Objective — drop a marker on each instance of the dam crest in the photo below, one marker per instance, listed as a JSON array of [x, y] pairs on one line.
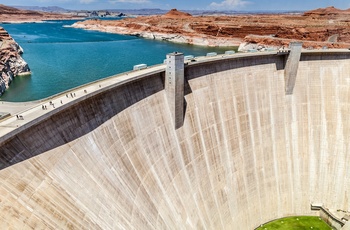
[[247, 150]]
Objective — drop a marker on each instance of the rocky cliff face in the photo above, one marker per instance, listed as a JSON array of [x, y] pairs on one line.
[[11, 62], [327, 27], [11, 14]]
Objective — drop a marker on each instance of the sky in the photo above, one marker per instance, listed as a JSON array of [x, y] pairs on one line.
[[239, 5]]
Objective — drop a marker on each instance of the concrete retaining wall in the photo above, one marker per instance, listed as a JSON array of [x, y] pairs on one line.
[[247, 153]]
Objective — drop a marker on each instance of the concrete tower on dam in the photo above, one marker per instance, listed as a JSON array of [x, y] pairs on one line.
[[257, 142]]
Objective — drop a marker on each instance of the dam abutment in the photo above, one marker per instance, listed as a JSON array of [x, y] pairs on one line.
[[246, 153]]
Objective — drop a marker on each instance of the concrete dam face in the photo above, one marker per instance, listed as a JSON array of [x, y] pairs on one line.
[[246, 152]]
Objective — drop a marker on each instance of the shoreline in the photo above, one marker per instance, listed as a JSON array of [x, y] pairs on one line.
[[208, 41], [38, 21], [314, 28]]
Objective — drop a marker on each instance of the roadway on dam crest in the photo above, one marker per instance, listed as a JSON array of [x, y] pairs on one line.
[[23, 113]]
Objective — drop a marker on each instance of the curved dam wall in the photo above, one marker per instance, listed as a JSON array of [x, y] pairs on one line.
[[246, 153]]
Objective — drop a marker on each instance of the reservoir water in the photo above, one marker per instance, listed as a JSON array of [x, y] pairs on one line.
[[62, 58]]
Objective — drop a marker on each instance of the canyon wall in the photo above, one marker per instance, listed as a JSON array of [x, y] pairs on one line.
[[11, 62], [319, 28], [247, 153]]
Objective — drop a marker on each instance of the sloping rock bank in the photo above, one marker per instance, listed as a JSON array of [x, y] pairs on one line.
[[143, 30], [261, 43], [11, 15], [321, 28], [11, 62]]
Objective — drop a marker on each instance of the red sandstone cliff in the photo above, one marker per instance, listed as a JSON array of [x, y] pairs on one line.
[[322, 27], [174, 13], [11, 14], [328, 11], [11, 62]]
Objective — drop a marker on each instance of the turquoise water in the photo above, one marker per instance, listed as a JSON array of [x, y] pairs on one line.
[[62, 58]]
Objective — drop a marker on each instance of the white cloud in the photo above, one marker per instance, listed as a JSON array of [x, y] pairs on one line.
[[129, 1], [87, 1], [43, 1], [228, 4]]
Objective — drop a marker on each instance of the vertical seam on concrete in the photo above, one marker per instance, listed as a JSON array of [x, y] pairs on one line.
[[291, 68], [252, 139]]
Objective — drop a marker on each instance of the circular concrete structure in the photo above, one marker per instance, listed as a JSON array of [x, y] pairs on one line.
[[246, 153]]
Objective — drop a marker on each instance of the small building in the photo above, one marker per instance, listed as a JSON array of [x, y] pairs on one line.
[[140, 66], [212, 54], [229, 52], [188, 57]]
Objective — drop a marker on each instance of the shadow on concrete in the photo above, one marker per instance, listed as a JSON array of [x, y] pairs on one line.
[[197, 70], [187, 90], [76, 120], [217, 66], [329, 55]]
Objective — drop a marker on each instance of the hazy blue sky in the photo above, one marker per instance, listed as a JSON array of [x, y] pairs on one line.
[[246, 5]]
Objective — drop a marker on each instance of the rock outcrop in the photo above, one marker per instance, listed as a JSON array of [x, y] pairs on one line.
[[174, 13], [322, 27], [174, 26], [11, 62], [328, 11], [261, 43], [11, 14]]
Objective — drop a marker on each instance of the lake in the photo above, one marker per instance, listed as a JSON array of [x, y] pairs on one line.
[[62, 57]]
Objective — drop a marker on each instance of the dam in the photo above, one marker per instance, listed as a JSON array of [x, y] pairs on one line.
[[109, 156]]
